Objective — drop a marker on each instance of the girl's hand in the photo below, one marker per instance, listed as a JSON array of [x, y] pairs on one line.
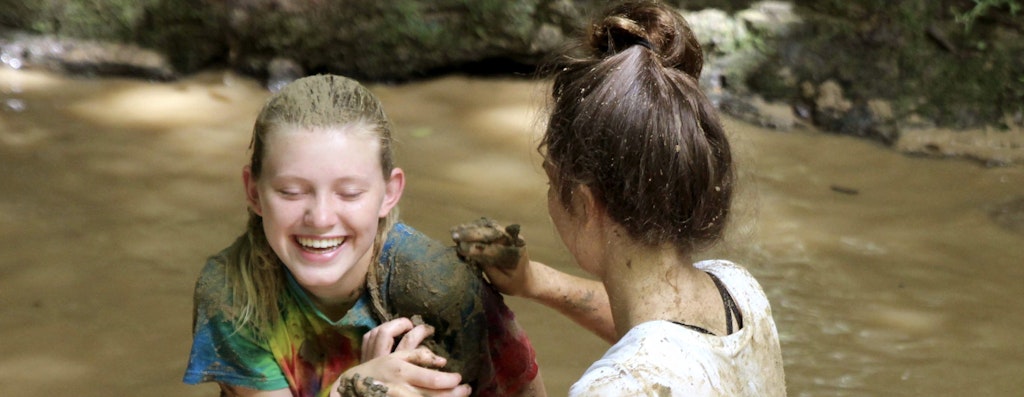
[[402, 373], [499, 252], [380, 341], [409, 370]]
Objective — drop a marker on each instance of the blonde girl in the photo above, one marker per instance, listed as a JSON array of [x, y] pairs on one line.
[[312, 299]]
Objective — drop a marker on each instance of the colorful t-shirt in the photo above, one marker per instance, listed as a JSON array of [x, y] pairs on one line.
[[306, 352]]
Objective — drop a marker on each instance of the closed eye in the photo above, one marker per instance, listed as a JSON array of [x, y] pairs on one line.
[[350, 194], [289, 193]]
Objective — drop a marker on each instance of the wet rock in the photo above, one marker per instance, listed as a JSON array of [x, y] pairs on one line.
[[733, 50], [830, 106], [770, 18], [914, 57], [755, 110], [82, 57], [396, 40], [864, 120], [282, 71], [989, 146], [831, 110]]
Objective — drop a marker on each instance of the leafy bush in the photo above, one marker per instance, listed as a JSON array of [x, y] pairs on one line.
[[982, 8]]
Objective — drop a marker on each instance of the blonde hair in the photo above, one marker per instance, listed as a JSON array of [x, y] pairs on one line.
[[254, 272]]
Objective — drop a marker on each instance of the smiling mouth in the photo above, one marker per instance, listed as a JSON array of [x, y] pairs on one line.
[[319, 245]]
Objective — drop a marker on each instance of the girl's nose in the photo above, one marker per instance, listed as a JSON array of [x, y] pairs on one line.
[[319, 214]]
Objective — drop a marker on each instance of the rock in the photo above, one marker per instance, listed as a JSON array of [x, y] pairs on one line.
[[988, 146], [282, 71], [754, 110], [830, 106], [83, 57], [856, 67], [834, 112], [770, 18]]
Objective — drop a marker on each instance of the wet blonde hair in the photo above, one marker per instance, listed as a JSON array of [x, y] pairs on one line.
[[322, 103]]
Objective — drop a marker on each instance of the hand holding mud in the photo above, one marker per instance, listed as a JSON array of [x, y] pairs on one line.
[[499, 252], [484, 243], [352, 387], [396, 364]]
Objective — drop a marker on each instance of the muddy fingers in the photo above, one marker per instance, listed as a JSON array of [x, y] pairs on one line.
[[356, 386], [484, 242]]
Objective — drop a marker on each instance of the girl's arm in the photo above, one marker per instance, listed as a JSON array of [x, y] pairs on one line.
[[503, 257], [583, 300]]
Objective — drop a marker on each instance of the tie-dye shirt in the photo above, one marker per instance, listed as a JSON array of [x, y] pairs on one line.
[[306, 351]]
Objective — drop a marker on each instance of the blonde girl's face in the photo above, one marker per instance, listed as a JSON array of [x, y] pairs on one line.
[[321, 194]]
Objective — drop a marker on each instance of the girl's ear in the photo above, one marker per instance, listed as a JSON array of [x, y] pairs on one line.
[[587, 205], [252, 193], [392, 191]]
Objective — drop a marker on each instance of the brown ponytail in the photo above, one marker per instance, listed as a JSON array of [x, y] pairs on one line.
[[630, 121]]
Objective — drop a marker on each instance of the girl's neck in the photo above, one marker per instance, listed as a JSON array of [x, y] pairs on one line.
[[335, 308], [657, 283], [335, 301]]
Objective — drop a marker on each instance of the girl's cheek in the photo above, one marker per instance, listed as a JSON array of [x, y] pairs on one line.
[[360, 209], [288, 210]]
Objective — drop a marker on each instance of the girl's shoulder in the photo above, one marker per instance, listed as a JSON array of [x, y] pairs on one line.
[[653, 358], [425, 270], [421, 276], [212, 289], [741, 284]]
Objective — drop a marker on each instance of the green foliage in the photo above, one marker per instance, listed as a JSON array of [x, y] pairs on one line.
[[190, 32], [983, 7], [92, 19]]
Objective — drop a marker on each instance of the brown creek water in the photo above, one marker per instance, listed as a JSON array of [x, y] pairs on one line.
[[888, 275]]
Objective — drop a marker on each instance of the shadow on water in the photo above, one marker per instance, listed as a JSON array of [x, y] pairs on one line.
[[888, 275]]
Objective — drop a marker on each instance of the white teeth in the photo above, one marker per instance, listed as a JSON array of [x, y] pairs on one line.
[[320, 243]]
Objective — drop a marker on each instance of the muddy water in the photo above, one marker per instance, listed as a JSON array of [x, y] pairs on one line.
[[888, 274]]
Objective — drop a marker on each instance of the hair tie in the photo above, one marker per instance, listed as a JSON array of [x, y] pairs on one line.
[[645, 43]]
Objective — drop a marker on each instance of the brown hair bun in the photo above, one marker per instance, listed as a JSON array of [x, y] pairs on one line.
[[648, 24]]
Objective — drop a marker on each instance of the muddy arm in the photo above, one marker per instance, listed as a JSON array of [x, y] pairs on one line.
[[501, 253], [582, 300]]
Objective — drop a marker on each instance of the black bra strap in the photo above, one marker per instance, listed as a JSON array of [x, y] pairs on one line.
[[731, 311], [693, 327]]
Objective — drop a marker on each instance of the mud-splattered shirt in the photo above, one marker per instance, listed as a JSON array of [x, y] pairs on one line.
[[662, 358], [305, 351]]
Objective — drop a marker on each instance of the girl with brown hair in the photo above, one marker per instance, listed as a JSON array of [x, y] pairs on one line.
[[641, 180]]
